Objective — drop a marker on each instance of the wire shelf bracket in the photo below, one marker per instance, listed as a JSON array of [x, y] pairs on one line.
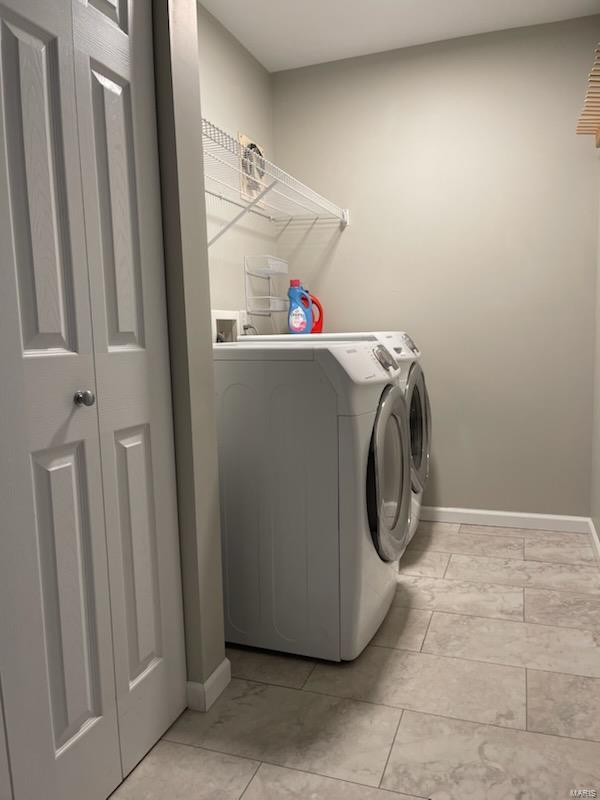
[[242, 213], [244, 178]]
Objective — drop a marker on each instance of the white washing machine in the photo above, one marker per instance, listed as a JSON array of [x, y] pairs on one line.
[[412, 382], [315, 463]]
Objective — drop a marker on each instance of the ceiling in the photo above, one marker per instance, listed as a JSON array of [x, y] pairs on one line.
[[283, 34]]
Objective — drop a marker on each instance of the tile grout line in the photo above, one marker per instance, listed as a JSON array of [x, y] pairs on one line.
[[526, 699], [354, 699], [498, 619], [503, 531], [523, 559], [501, 586], [588, 563], [387, 761], [478, 556], [545, 587], [396, 708], [258, 766], [476, 534], [282, 765], [470, 661], [306, 680], [453, 553], [431, 547], [520, 618], [472, 579], [200, 747], [511, 537], [435, 654], [447, 565], [426, 631], [466, 613], [400, 795]]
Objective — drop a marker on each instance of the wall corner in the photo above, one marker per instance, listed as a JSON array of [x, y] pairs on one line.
[[188, 299]]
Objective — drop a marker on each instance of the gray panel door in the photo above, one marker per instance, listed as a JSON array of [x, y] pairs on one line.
[[117, 129], [56, 659]]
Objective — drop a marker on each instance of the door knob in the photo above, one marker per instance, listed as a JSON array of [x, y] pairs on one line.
[[85, 398]]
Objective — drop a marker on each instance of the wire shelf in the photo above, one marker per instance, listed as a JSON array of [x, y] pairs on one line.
[[242, 176], [261, 270], [266, 304], [265, 266]]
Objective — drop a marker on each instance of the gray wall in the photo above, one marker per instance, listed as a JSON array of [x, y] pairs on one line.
[[474, 226], [236, 95], [595, 501]]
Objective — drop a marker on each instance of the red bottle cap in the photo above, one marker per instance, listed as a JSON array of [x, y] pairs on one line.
[[294, 282]]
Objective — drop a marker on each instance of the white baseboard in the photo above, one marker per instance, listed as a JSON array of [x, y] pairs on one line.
[[595, 537], [506, 519], [201, 696]]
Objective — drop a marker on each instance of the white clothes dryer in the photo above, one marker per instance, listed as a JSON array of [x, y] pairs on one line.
[[411, 380], [315, 463]]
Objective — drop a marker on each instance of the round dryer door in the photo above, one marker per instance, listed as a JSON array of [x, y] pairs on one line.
[[388, 476], [419, 414]]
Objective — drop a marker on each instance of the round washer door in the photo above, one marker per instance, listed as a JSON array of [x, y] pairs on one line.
[[419, 417], [388, 476]]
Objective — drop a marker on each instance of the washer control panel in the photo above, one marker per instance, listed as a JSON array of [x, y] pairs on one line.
[[407, 346]]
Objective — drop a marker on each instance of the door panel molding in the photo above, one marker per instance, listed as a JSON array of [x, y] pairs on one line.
[[138, 540], [64, 544], [114, 10], [37, 187], [119, 220]]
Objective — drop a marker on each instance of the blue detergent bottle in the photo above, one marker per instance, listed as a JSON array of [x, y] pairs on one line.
[[300, 317]]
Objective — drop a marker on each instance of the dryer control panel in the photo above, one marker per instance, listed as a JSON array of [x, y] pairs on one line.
[[365, 362]]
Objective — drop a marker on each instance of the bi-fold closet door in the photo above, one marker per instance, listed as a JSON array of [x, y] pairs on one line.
[[91, 644]]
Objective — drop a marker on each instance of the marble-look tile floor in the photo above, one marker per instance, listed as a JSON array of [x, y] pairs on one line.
[[483, 683]]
